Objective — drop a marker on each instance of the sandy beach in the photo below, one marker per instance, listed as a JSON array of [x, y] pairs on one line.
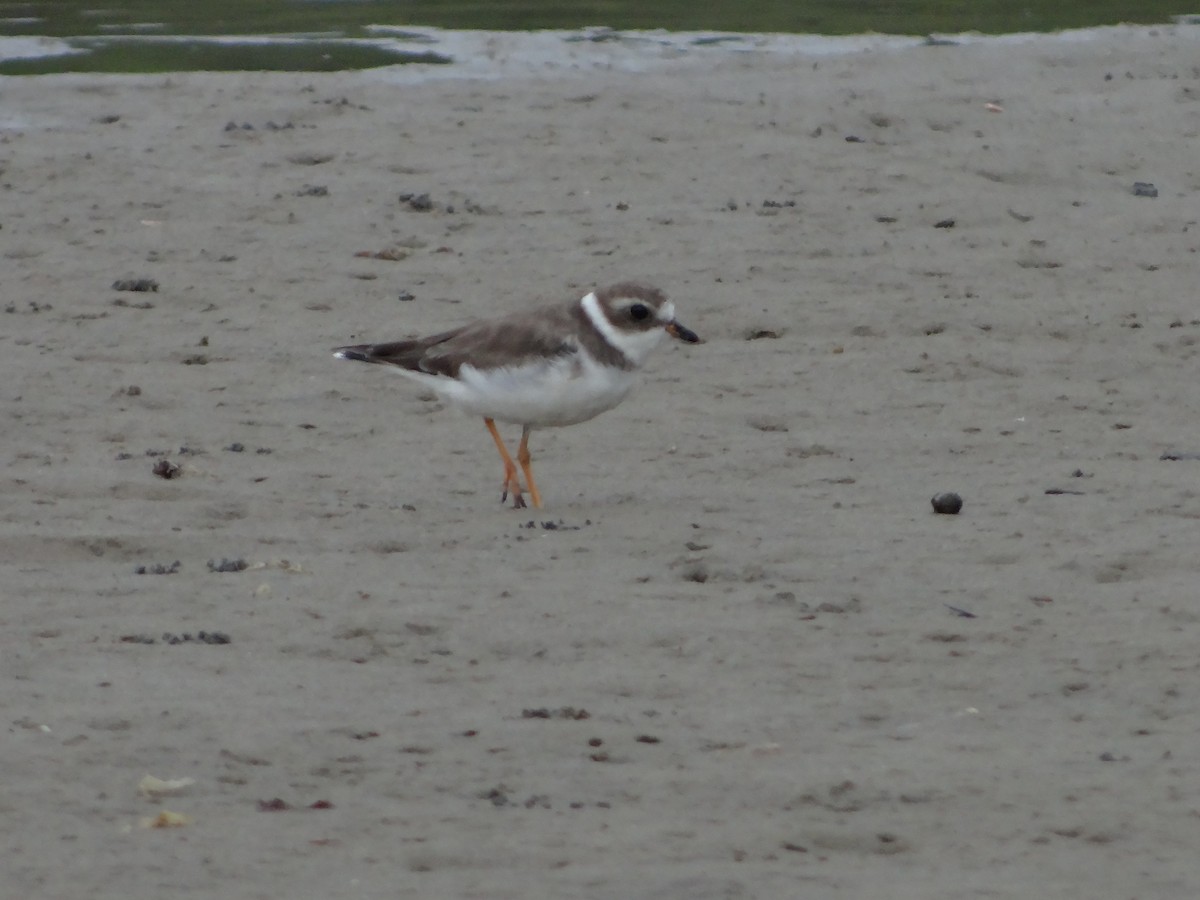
[[737, 655]]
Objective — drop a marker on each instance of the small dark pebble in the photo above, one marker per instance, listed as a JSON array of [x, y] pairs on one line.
[[406, 296], [854, 139], [137, 639], [948, 503], [264, 451], [125, 304], [227, 565], [164, 468], [135, 284], [1054, 492], [648, 739], [158, 569], [560, 525], [310, 159], [200, 637], [944, 223], [1190, 455], [497, 796], [778, 204], [564, 712], [274, 805], [236, 447], [417, 202], [1144, 189]]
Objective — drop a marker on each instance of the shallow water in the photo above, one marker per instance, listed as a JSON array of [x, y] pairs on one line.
[[143, 35]]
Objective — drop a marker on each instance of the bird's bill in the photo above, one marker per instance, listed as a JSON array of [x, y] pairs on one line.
[[677, 331]]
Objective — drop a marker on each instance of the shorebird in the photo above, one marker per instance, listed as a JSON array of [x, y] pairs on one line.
[[546, 367]]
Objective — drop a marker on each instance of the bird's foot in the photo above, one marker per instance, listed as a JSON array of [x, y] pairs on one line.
[[512, 485]]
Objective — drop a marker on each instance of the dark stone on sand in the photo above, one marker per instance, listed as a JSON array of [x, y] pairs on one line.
[[947, 503], [164, 468], [135, 284], [417, 202]]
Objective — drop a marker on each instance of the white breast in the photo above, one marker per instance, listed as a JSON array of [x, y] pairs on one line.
[[552, 393]]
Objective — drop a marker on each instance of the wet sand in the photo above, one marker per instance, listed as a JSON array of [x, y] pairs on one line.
[[737, 655]]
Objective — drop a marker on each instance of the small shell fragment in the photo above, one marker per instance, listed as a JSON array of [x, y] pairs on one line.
[[166, 819], [152, 787]]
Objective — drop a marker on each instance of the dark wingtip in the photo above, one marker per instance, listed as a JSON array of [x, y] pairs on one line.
[[358, 354]]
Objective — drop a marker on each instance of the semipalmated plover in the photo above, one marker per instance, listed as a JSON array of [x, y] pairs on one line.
[[558, 365]]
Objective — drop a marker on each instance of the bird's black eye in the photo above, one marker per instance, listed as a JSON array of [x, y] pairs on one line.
[[638, 312]]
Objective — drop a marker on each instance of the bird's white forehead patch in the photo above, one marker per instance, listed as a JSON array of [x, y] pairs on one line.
[[666, 313]]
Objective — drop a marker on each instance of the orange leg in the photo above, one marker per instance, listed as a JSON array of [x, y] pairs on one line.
[[511, 481], [526, 462]]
